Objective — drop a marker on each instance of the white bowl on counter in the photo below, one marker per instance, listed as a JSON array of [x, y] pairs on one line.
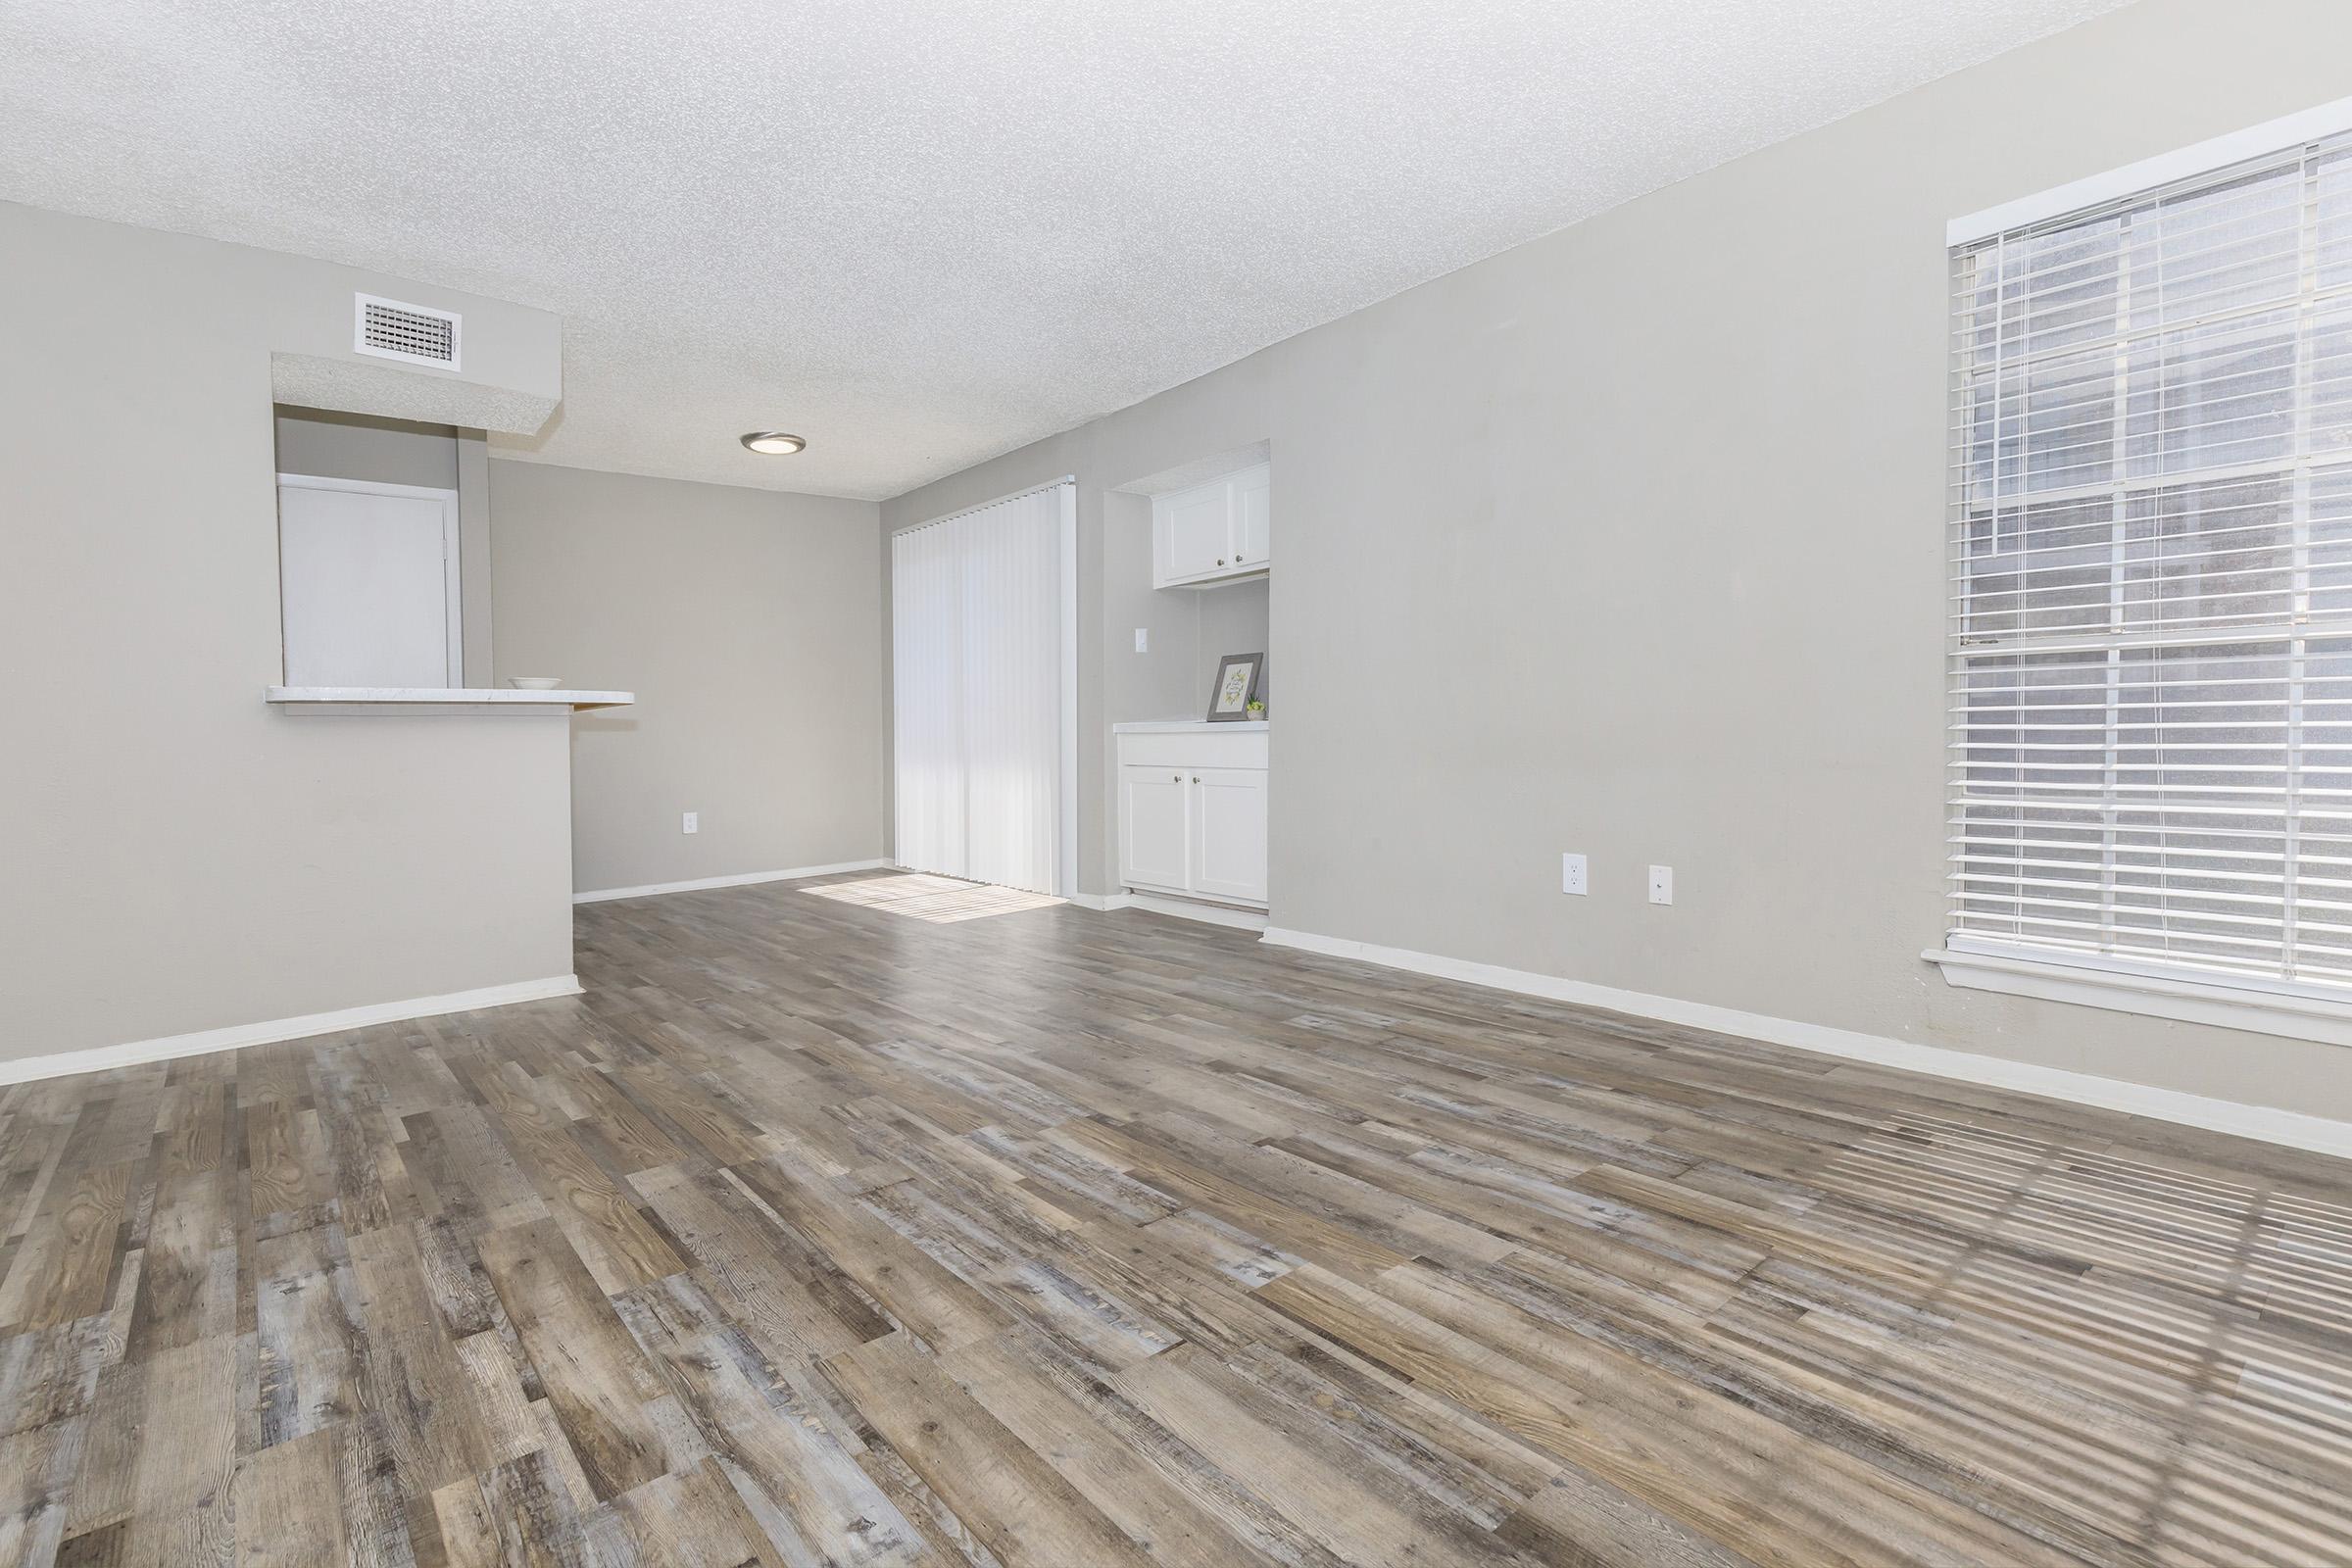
[[535, 683]]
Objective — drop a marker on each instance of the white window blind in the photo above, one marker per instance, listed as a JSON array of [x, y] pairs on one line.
[[2151, 546]]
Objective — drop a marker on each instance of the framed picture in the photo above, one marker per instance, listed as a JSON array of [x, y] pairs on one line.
[[1236, 688]]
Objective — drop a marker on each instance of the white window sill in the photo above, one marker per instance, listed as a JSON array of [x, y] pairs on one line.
[[2259, 1008]]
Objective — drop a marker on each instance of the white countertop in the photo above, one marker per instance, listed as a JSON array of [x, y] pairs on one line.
[[441, 699], [1178, 727]]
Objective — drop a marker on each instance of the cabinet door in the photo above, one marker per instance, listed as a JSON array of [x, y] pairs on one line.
[[370, 587], [1155, 829], [1196, 533], [1252, 518], [1229, 833]]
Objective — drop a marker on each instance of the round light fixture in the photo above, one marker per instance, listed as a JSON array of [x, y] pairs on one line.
[[773, 443]]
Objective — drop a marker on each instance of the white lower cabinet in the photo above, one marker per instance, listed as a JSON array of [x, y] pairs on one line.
[[1229, 833], [1193, 810], [1155, 828]]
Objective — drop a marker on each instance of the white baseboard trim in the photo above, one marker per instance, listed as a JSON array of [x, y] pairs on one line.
[[1205, 913], [2292, 1127], [138, 1053], [601, 895], [1182, 908]]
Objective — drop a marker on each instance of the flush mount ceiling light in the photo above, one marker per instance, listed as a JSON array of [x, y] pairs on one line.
[[773, 443]]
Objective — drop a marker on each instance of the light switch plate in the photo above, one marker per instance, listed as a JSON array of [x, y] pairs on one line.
[[1143, 639], [1572, 873], [1661, 884], [694, 822]]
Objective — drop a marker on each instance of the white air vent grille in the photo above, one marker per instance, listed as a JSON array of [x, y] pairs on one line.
[[411, 333]]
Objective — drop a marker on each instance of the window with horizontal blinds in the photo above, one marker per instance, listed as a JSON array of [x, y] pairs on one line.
[[2151, 548]]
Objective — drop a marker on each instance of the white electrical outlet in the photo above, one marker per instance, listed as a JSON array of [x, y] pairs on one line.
[[1661, 884], [1143, 639], [694, 822], [1572, 873]]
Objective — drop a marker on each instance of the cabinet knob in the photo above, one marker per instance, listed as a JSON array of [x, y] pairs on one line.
[[1220, 561], [1175, 778], [1195, 781]]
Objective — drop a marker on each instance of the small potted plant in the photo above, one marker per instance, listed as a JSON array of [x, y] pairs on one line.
[[1257, 710]]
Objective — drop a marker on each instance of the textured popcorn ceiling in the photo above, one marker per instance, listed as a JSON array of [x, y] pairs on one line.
[[919, 232]]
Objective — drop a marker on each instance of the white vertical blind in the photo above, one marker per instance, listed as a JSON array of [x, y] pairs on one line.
[[1012, 689], [2151, 549], [977, 634], [927, 714]]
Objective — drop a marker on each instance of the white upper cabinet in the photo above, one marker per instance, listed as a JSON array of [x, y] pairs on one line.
[[1213, 532], [1253, 518], [1193, 536]]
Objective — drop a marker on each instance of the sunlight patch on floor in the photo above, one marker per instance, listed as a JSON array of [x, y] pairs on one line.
[[926, 896]]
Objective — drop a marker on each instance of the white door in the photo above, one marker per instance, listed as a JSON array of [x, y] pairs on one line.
[[369, 578], [1229, 833], [1155, 825], [1252, 518], [1198, 531]]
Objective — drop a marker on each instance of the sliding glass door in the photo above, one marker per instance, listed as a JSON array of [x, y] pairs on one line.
[[978, 616]]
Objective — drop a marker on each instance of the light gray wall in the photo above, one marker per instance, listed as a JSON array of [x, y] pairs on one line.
[[1630, 541], [1233, 619], [179, 856], [1156, 683], [745, 620], [355, 446]]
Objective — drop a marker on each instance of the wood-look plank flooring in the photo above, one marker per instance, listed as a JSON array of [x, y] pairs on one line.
[[814, 1234]]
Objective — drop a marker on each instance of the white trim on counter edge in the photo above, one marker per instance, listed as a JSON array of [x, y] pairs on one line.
[[2256, 1009], [602, 895], [1189, 726], [137, 1053], [2292, 1127], [373, 701]]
